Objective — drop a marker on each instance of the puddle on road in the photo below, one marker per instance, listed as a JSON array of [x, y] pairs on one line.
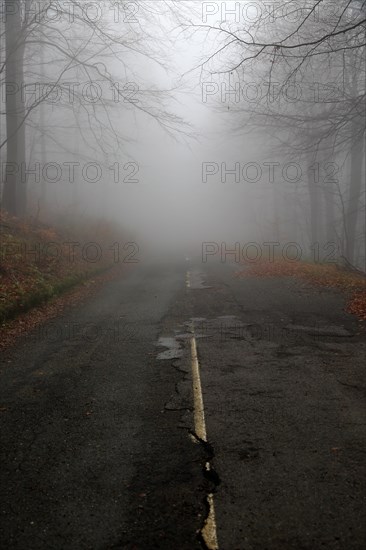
[[174, 350]]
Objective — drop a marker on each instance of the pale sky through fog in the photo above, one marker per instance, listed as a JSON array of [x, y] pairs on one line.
[[172, 205]]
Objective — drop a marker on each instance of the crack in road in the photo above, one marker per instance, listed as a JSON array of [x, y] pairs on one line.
[[207, 535], [208, 532]]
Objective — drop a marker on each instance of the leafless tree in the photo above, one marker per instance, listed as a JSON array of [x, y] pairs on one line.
[[45, 50], [307, 59]]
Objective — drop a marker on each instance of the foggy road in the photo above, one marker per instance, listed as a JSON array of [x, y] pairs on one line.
[[108, 443], [182, 275]]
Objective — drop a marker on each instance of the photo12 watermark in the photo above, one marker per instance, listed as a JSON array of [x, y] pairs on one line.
[[70, 172], [227, 331], [269, 12], [110, 332], [235, 93], [91, 252], [270, 251], [92, 12], [269, 172], [92, 92]]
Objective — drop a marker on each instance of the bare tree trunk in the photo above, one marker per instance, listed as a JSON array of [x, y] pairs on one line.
[[329, 191], [276, 224], [314, 202], [354, 189], [75, 184], [42, 124], [14, 195], [330, 231]]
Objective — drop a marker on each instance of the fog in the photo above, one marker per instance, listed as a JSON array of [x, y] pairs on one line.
[[188, 122]]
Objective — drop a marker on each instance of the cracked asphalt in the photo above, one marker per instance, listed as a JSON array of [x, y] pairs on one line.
[[98, 449]]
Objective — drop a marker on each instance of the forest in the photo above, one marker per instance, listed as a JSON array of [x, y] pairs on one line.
[[94, 94]]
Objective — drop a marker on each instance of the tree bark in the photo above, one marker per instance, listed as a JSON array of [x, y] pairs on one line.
[[354, 189], [314, 203], [14, 194]]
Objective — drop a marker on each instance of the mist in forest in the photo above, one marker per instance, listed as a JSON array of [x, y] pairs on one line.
[[187, 123]]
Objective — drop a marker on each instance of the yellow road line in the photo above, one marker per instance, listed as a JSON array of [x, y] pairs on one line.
[[199, 412], [209, 531]]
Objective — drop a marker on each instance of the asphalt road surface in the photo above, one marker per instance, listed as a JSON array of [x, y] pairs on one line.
[[109, 440]]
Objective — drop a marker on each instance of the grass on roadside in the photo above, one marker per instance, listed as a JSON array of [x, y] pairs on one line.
[[39, 262]]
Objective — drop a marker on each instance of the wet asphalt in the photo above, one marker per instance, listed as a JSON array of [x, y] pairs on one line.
[[98, 449]]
